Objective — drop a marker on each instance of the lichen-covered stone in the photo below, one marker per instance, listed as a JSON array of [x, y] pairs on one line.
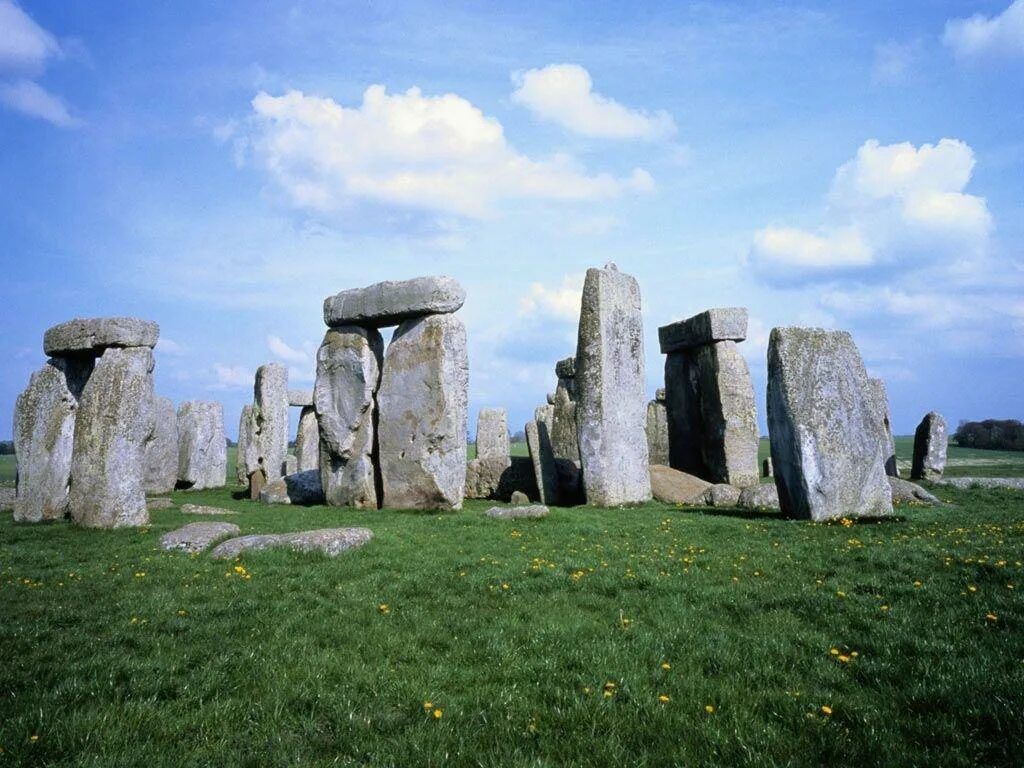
[[44, 427], [539, 443], [764, 496], [906, 492], [348, 366], [162, 448], [300, 398], [329, 541], [566, 369], [564, 439], [247, 456], [307, 441], [880, 398], [533, 511], [195, 537], [708, 327], [93, 335], [113, 423], [301, 488], [394, 302], [492, 441], [930, 442], [610, 408], [657, 432], [828, 460], [722, 495], [271, 412], [423, 402], [199, 509], [670, 486], [202, 449], [544, 414], [484, 477]]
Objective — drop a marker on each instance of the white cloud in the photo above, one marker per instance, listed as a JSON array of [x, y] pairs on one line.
[[24, 45], [33, 100], [561, 302], [564, 94], [434, 153], [892, 205], [894, 61], [1001, 35], [231, 376], [169, 347], [287, 353]]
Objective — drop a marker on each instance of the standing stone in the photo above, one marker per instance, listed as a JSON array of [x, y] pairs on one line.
[[44, 427], [247, 455], [394, 302], [728, 415], [544, 468], [826, 454], [348, 366], [307, 441], [610, 390], [202, 449], [657, 432], [271, 392], [162, 448], [880, 397], [544, 414], [113, 423], [492, 441], [766, 467], [423, 402], [291, 465], [682, 408], [930, 442], [564, 441]]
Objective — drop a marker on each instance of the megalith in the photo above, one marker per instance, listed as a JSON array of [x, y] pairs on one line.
[[247, 456], [307, 440], [930, 443], [564, 439], [492, 441], [610, 410], [880, 397], [162, 448], [271, 411], [202, 448], [657, 430], [544, 468], [826, 455]]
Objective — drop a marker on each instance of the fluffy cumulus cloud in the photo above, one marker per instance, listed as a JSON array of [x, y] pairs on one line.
[[25, 49], [559, 302], [432, 153], [564, 94], [1000, 35], [892, 205], [301, 361]]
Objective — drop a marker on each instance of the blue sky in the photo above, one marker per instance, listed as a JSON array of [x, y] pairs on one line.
[[221, 168]]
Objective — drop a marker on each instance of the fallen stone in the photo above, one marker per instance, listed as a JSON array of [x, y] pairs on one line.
[[199, 509], [1012, 483], [765, 496], [113, 423], [423, 402], [610, 390], [195, 537], [709, 327], [906, 492], [307, 441], [544, 469], [159, 503], [657, 432], [93, 335], [670, 486], [930, 442], [520, 499], [828, 460], [492, 441], [300, 398], [162, 448], [517, 513], [394, 302], [44, 427], [302, 488], [329, 541], [880, 398], [202, 449], [722, 495], [348, 366]]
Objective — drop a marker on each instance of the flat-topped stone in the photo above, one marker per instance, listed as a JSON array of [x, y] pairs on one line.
[[516, 513], [393, 302], [90, 335], [330, 541], [199, 509], [159, 503], [566, 369], [300, 398], [195, 537], [728, 324]]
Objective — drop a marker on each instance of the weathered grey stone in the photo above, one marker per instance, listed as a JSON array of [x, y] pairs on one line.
[[564, 440], [519, 499], [423, 401], [202, 449], [247, 456], [291, 464], [670, 486], [348, 366], [517, 513], [159, 503], [93, 335], [394, 302], [300, 398], [906, 492], [7, 497], [566, 369], [722, 495], [657, 432], [766, 467], [307, 441], [302, 488], [484, 477], [199, 509], [659, 395], [113, 423], [271, 411], [827, 457], [610, 410], [765, 496], [880, 399], [1012, 483], [728, 415], [550, 398], [709, 327], [329, 541], [162, 448], [539, 443], [544, 414], [930, 442], [44, 427], [682, 409], [195, 537], [492, 441]]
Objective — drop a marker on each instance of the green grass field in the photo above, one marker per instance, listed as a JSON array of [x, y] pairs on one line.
[[650, 636]]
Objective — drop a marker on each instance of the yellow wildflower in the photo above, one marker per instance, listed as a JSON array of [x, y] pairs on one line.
[[826, 710]]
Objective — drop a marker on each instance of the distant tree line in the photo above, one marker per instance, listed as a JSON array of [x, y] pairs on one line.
[[997, 434], [6, 447]]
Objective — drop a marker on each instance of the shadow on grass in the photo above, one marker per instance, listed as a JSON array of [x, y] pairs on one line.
[[766, 513]]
